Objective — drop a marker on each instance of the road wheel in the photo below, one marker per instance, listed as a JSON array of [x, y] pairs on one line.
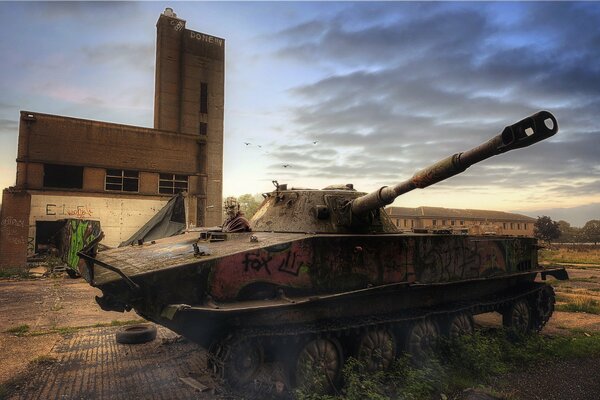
[[544, 307], [517, 317], [459, 324], [319, 365], [376, 349], [421, 338], [136, 334], [236, 360]]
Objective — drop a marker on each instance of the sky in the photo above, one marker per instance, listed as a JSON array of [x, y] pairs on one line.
[[364, 93]]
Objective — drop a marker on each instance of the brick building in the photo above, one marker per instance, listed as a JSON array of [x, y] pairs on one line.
[[461, 220], [118, 174]]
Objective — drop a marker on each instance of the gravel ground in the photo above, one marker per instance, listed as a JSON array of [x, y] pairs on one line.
[[45, 304], [576, 379]]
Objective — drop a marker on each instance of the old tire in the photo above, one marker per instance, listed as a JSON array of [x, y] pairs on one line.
[[376, 349], [318, 366], [518, 317], [136, 334], [459, 324]]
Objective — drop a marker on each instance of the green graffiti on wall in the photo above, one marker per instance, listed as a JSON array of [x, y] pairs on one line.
[[79, 233]]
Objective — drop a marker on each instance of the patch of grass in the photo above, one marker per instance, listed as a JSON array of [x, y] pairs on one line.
[[571, 254], [578, 303], [468, 362], [20, 330], [13, 273], [24, 330], [44, 360]]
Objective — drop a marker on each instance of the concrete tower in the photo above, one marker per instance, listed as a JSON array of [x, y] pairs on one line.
[[189, 98]]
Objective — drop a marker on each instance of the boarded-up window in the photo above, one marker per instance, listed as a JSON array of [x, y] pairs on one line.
[[121, 180], [204, 98], [172, 183], [63, 176], [203, 129]]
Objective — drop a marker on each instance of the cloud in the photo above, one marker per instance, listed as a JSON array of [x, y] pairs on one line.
[[408, 90], [135, 55], [8, 127]]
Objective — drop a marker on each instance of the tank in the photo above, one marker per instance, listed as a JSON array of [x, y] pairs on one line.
[[317, 276]]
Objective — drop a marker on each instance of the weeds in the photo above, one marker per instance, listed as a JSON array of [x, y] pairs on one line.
[[571, 254], [20, 330], [25, 330], [578, 304], [14, 273], [467, 362]]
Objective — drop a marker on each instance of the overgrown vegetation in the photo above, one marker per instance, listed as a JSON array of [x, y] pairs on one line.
[[575, 254], [470, 361], [20, 330], [25, 330], [577, 303], [14, 273]]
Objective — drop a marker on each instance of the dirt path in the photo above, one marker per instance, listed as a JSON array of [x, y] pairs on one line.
[[47, 304], [44, 305]]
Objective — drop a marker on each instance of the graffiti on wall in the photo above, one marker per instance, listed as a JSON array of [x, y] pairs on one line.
[[76, 235], [62, 210], [13, 230]]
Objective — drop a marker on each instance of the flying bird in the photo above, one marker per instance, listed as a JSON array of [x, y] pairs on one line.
[[286, 165], [247, 144], [315, 142]]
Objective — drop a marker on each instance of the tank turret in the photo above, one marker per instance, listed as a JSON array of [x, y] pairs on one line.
[[341, 209]]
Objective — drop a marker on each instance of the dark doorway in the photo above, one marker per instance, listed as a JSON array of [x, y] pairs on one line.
[[47, 236]]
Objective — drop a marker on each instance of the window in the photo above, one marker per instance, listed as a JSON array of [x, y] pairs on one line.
[[121, 180], [172, 184], [444, 222], [525, 226], [204, 98], [203, 128], [434, 222], [519, 226], [405, 223], [63, 176], [462, 222], [511, 226], [504, 225], [453, 222]]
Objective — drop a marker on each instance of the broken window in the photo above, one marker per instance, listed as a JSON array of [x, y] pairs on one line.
[[204, 98], [63, 176], [122, 180], [172, 183]]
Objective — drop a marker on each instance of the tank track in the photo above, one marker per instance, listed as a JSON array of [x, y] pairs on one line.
[[348, 327]]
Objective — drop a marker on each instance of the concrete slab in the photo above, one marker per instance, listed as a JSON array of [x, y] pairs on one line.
[[91, 365]]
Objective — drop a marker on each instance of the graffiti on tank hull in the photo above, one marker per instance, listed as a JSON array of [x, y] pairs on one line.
[[256, 262], [285, 265], [448, 259]]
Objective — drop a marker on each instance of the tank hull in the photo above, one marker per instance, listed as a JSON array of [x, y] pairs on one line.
[[272, 280]]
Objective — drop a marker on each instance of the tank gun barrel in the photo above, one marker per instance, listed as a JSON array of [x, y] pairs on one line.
[[526, 132]]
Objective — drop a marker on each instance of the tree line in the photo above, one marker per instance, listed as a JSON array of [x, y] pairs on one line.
[[550, 231]]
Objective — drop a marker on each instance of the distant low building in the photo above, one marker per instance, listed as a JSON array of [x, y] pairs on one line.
[[461, 220]]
